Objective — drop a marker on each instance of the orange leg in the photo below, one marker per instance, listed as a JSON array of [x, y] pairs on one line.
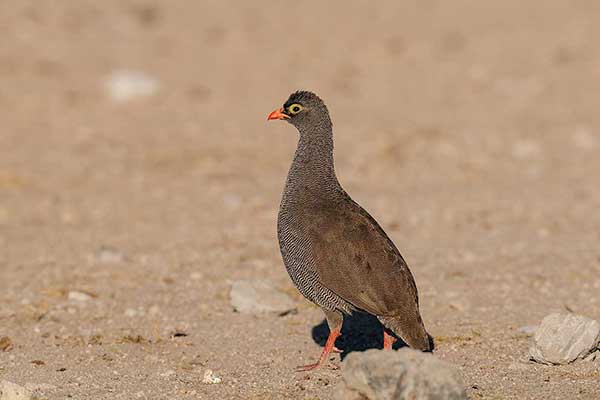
[[329, 347], [388, 341]]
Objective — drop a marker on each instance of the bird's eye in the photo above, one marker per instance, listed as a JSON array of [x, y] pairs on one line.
[[295, 109]]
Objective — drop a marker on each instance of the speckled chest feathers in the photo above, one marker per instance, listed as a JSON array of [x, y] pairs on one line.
[[311, 188]]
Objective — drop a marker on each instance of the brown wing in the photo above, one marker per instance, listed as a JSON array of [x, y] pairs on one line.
[[357, 261]]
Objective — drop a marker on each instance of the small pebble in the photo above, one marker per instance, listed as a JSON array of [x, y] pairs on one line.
[[123, 86], [210, 377], [79, 296], [196, 276], [109, 255], [132, 312], [5, 343], [168, 373]]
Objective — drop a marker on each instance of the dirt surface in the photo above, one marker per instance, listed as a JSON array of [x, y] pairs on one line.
[[469, 129]]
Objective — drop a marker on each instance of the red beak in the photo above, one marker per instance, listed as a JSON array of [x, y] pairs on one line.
[[277, 114]]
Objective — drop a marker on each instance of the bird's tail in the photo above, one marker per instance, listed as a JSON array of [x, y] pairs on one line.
[[411, 330]]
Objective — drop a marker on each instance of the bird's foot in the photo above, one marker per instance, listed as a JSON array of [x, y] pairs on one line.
[[329, 347]]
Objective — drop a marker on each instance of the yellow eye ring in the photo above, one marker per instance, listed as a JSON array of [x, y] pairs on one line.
[[295, 108]]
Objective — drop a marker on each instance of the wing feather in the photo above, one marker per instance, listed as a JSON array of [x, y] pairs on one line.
[[356, 260]]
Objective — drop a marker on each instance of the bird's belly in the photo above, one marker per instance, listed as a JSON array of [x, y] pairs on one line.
[[297, 258]]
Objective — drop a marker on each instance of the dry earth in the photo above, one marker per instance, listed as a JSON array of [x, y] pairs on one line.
[[469, 129]]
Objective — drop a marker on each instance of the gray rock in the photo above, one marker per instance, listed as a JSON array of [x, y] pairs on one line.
[[259, 296], [563, 338], [12, 391], [395, 375]]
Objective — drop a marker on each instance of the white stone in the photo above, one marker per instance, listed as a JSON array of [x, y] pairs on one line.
[[168, 373], [123, 86], [12, 391], [79, 296], [395, 375], [196, 276], [259, 296], [109, 255], [210, 378], [563, 338], [131, 312]]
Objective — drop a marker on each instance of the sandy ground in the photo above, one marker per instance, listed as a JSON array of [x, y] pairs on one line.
[[469, 129]]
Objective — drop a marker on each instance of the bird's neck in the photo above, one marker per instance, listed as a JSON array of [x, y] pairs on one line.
[[312, 169]]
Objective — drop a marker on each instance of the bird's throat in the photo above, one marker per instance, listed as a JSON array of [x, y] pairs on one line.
[[313, 169]]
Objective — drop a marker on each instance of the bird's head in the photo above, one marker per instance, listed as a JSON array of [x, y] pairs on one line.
[[303, 109]]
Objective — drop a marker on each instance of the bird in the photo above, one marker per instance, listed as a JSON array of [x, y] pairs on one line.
[[334, 251]]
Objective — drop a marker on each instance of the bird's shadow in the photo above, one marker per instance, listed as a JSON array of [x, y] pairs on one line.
[[360, 332]]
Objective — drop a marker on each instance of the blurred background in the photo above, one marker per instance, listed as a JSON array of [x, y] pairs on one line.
[[137, 167]]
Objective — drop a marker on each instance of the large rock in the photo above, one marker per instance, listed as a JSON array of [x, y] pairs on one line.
[[259, 296], [563, 338], [12, 391], [395, 375]]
